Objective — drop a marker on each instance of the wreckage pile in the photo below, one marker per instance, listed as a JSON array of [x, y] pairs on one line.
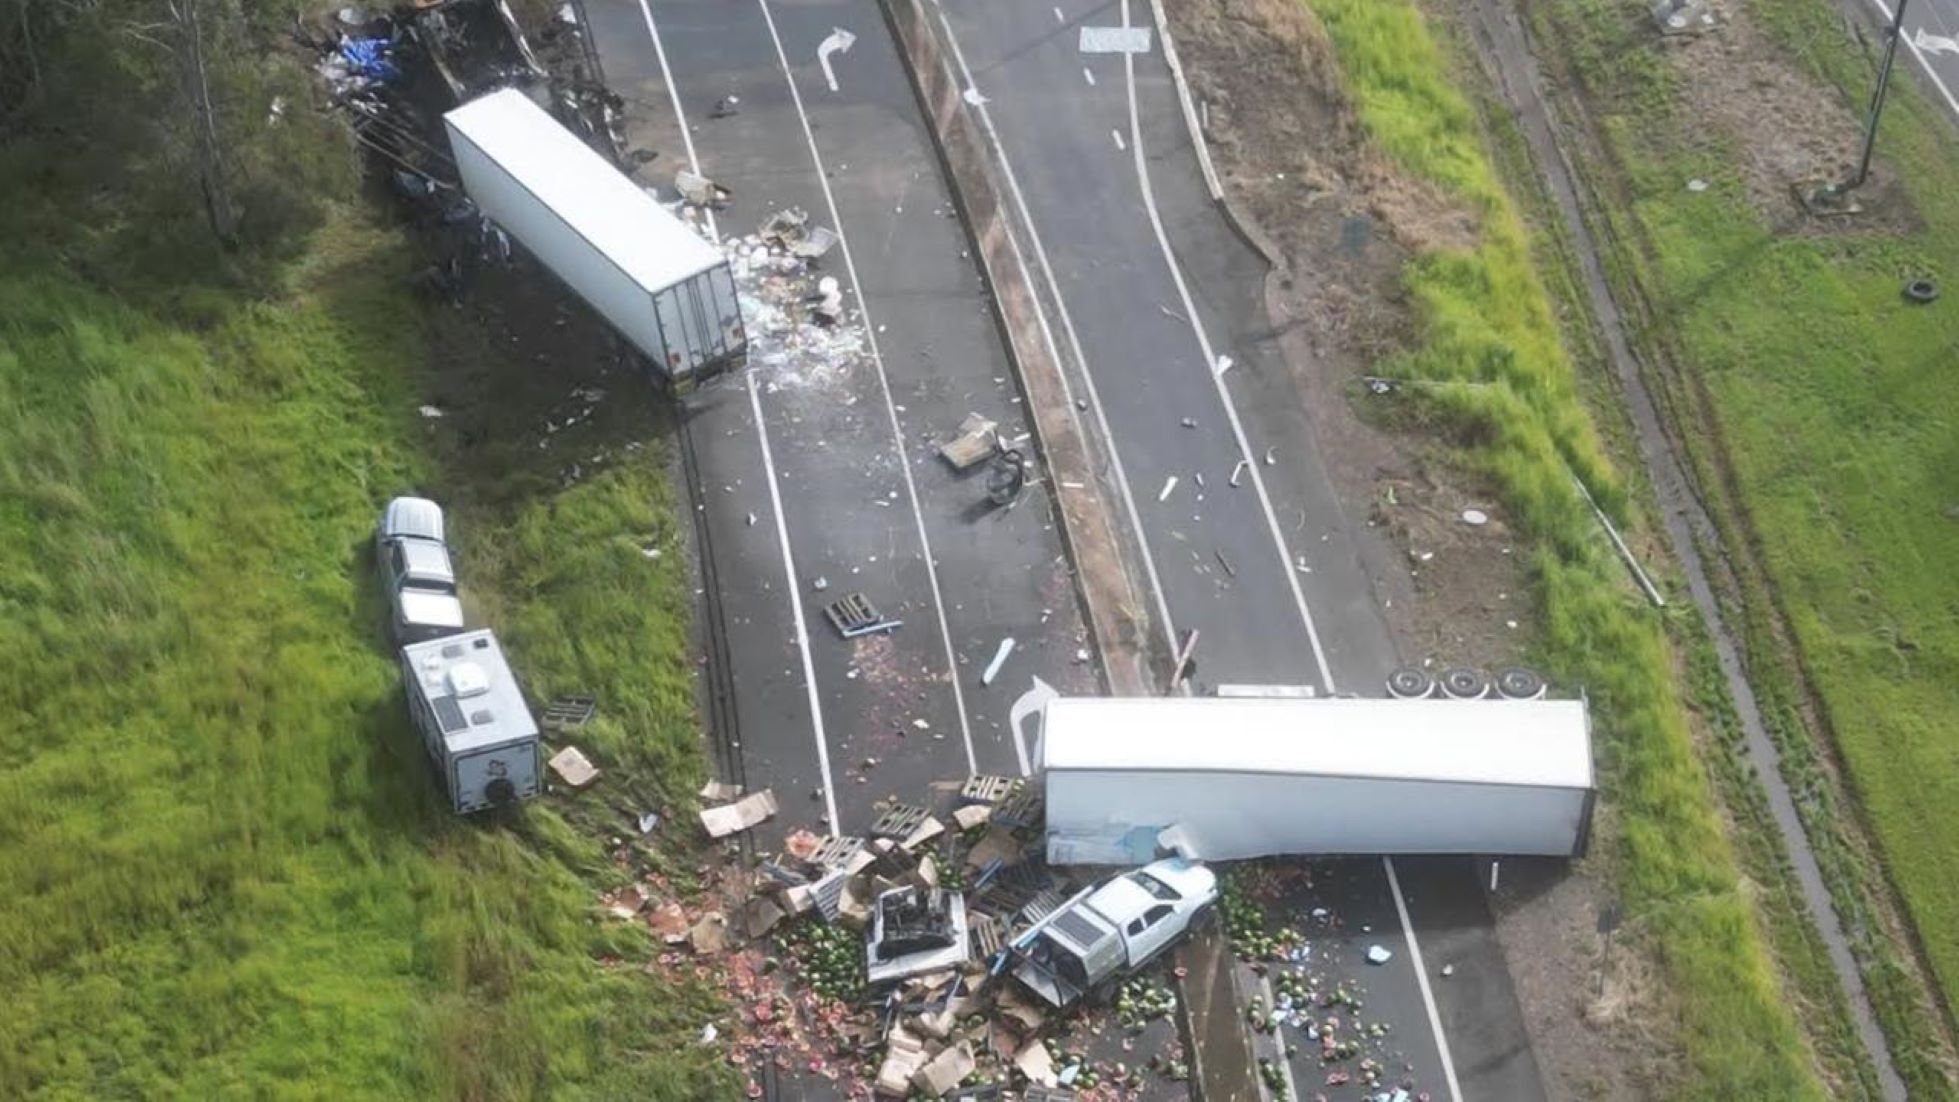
[[800, 333], [878, 962], [1313, 1009]]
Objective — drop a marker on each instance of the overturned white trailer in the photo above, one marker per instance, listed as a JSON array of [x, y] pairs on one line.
[[1225, 778], [637, 264]]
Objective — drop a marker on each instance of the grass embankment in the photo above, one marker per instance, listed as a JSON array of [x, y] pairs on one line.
[[1485, 319], [225, 866], [1820, 416]]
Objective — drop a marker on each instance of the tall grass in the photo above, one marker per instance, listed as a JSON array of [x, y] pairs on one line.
[[224, 867], [1485, 318]]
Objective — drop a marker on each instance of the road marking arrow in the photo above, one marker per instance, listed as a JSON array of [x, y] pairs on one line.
[[840, 41], [1029, 703], [1935, 43]]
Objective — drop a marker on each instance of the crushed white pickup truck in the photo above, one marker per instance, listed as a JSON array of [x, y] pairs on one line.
[[1112, 929]]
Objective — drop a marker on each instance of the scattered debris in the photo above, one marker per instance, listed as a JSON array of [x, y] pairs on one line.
[[1377, 954], [1475, 518], [432, 412], [976, 440], [855, 615], [915, 930], [1237, 471], [718, 792], [699, 191], [669, 923], [1169, 484], [710, 935], [646, 821], [1006, 477], [571, 766], [945, 1071], [743, 814], [999, 659], [568, 713]]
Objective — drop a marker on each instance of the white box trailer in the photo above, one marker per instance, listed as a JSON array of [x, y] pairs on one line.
[[473, 721], [1225, 778], [639, 265]]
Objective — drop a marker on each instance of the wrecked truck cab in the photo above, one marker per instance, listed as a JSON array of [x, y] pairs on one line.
[[1112, 930]]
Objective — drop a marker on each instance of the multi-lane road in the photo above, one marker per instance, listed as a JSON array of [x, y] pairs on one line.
[[800, 475], [1931, 36]]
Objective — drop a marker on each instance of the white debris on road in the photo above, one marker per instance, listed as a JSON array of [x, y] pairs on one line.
[[780, 298]]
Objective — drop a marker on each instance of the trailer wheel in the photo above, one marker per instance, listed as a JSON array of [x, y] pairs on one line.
[[1462, 683], [1518, 683], [1410, 683]]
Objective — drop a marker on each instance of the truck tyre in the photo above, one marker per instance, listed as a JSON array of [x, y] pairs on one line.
[[1518, 683], [1462, 683], [1410, 683]]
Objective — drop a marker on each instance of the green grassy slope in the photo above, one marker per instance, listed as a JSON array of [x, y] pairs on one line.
[[1485, 320], [226, 869], [1832, 403]]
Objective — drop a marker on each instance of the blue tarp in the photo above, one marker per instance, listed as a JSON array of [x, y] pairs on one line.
[[368, 57]]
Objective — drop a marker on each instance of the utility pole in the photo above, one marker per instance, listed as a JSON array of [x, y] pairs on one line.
[[1834, 194]]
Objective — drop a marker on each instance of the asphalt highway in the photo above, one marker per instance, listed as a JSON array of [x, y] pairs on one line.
[[1931, 39], [798, 478], [806, 474], [1156, 291]]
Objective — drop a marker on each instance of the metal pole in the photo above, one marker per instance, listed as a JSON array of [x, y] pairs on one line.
[[1877, 99]]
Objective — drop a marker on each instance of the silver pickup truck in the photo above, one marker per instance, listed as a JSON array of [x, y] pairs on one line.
[[1111, 929]]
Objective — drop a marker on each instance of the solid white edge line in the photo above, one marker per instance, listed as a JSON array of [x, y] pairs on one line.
[[768, 464], [1923, 62], [796, 604], [1210, 368], [673, 92], [1074, 341], [884, 385], [1421, 979]]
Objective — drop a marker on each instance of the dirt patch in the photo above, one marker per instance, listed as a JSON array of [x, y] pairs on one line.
[[1589, 999], [1734, 78], [1295, 160]]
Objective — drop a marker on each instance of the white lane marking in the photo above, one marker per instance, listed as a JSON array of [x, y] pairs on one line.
[[768, 464], [1074, 341], [1030, 704], [1210, 358], [1292, 579], [839, 42], [796, 605], [1924, 62], [1421, 978], [1934, 43], [1278, 1044], [884, 385], [673, 93]]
